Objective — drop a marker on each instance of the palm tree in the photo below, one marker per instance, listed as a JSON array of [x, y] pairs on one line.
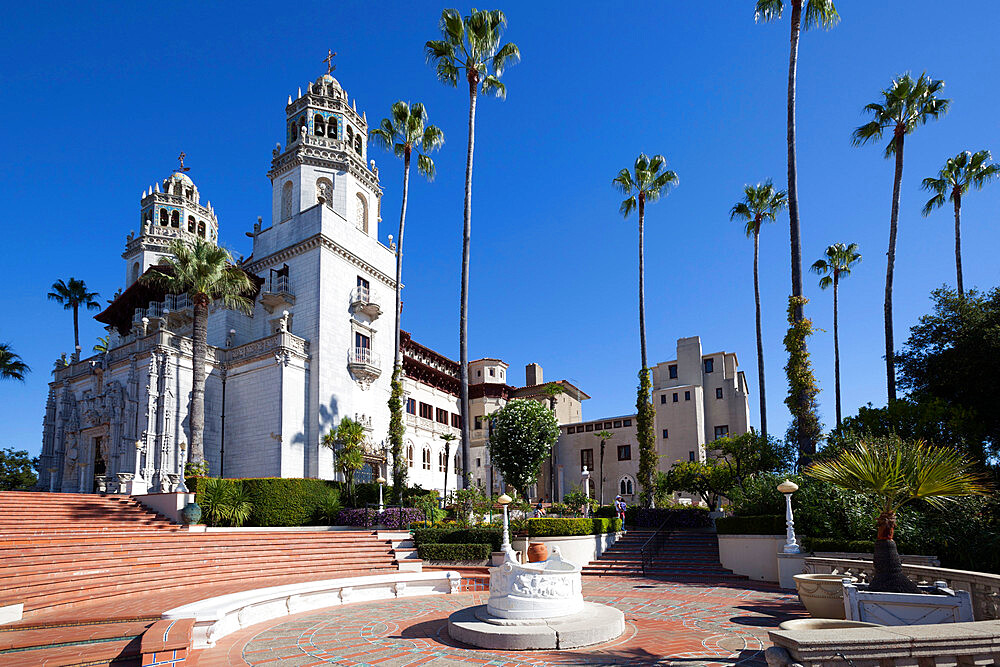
[[350, 435], [72, 295], [552, 390], [761, 203], [447, 437], [204, 272], [647, 183], [404, 132], [470, 44], [965, 170], [906, 104], [11, 365], [839, 261], [896, 473], [102, 345], [604, 436], [818, 13]]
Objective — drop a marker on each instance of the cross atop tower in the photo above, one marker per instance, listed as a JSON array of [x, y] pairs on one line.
[[180, 158], [330, 54]]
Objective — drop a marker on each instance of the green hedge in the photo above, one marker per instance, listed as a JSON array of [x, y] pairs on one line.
[[439, 535], [768, 524], [280, 501], [565, 527], [459, 552], [836, 544]]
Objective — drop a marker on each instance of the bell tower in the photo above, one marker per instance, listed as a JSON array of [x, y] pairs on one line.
[[324, 158]]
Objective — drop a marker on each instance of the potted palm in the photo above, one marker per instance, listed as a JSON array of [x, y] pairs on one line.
[[897, 473]]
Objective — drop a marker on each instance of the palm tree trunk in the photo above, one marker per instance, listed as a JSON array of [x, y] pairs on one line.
[[447, 462], [397, 427], [890, 360], [836, 343], [642, 281], [793, 190], [602, 473], [463, 335], [760, 342], [888, 576], [958, 243], [76, 327], [398, 359], [196, 414]]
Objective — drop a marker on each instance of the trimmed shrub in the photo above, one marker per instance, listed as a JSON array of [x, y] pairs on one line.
[[455, 552], [566, 527], [280, 501], [605, 512], [441, 535], [835, 544], [675, 517], [768, 524]]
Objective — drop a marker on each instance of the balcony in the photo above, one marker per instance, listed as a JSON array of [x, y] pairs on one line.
[[277, 293], [364, 365], [361, 302]]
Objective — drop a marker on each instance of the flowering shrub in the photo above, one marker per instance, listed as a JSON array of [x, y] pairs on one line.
[[394, 517]]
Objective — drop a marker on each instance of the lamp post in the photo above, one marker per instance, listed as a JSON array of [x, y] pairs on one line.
[[585, 478], [788, 488], [505, 500], [381, 482]]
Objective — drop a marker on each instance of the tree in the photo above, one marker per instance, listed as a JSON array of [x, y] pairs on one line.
[[647, 182], [102, 345], [404, 133], [604, 436], [349, 457], [753, 453], [897, 473], [961, 172], [523, 433], [551, 391], [11, 365], [805, 428], [821, 14], [204, 272], [470, 44], [17, 470], [953, 354], [840, 259], [447, 437], [906, 104], [71, 296], [761, 203], [709, 479]]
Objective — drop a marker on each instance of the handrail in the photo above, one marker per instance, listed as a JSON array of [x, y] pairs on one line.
[[652, 546]]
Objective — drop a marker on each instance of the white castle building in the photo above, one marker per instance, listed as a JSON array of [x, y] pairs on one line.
[[318, 347]]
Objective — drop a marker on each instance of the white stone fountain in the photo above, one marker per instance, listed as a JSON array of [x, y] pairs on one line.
[[535, 606]]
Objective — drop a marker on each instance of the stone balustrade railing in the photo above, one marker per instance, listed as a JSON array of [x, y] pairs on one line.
[[983, 587]]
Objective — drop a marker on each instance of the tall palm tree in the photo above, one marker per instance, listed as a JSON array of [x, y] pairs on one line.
[[897, 473], [72, 295], [11, 365], [906, 104], [761, 203], [604, 436], [470, 44], [840, 259], [647, 182], [404, 133], [447, 437], [821, 14], [961, 172], [204, 272]]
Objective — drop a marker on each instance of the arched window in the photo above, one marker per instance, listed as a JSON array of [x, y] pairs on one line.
[[286, 200], [409, 456], [626, 486], [164, 217], [191, 224], [426, 458], [292, 132], [324, 191], [175, 219], [201, 229], [319, 127], [135, 272], [361, 213], [302, 123], [350, 135], [357, 144], [458, 464], [442, 462], [332, 128]]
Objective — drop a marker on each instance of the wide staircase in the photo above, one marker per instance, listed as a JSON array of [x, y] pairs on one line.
[[686, 556], [93, 572]]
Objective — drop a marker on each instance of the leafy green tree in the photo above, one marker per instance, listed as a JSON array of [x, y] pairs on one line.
[[840, 260], [753, 453], [805, 428], [404, 132], [818, 14], [349, 456], [648, 181], [470, 44], [961, 172], [906, 105], [761, 203], [17, 470], [71, 296], [604, 436], [11, 365], [204, 272], [897, 473], [523, 433], [953, 355], [710, 480]]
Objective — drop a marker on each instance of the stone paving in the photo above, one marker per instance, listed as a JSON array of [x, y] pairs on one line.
[[667, 623]]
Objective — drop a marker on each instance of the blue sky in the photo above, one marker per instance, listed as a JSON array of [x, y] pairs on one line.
[[97, 100]]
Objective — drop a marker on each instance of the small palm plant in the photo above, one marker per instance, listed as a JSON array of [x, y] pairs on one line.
[[103, 344], [840, 259], [71, 295], [896, 473], [224, 502], [11, 365], [447, 437], [350, 435], [961, 172], [604, 436]]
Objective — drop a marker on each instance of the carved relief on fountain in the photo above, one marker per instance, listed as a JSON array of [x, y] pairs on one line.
[[548, 589]]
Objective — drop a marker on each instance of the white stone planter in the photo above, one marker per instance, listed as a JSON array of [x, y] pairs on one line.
[[822, 594], [753, 556], [943, 605], [577, 549]]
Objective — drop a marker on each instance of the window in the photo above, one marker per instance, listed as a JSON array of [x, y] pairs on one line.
[[426, 459], [672, 370], [361, 214], [721, 431], [191, 224], [479, 374], [663, 399], [319, 127], [201, 229], [718, 392], [456, 420], [493, 372], [332, 127], [358, 144], [363, 288], [286, 200], [587, 459], [479, 463], [626, 422], [690, 456], [442, 462], [687, 395], [624, 452], [362, 348], [458, 465], [571, 430], [479, 423], [675, 397], [411, 406], [626, 486], [709, 365], [441, 417], [350, 135], [426, 411], [589, 427], [164, 217], [175, 219], [665, 434], [324, 191], [607, 424], [618, 423], [409, 456]]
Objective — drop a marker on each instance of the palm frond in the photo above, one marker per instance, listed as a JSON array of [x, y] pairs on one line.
[[937, 201], [821, 14], [768, 10], [627, 207], [425, 166], [493, 86]]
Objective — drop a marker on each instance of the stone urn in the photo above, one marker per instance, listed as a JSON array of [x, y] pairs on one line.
[[537, 552], [191, 514], [822, 594], [824, 624]]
